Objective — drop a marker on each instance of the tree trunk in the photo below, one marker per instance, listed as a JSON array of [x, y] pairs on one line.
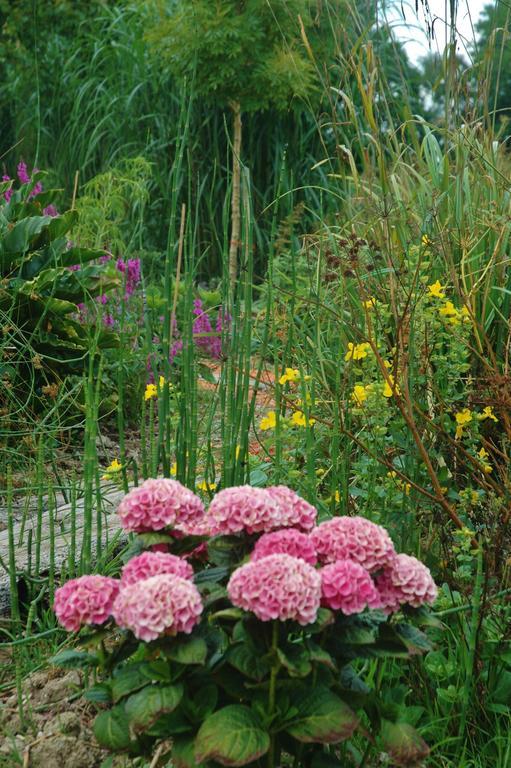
[[235, 199]]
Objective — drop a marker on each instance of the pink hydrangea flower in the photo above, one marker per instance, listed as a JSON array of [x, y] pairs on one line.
[[277, 587], [151, 564], [161, 605], [295, 511], [406, 580], [243, 508], [353, 538], [288, 541], [159, 503], [347, 587], [86, 600]]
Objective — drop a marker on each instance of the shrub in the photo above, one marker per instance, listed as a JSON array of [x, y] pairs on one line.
[[245, 659]]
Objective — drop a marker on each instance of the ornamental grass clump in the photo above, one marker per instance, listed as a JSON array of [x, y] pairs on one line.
[[255, 639]]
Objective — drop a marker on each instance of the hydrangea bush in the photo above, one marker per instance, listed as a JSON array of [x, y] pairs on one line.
[[253, 652]]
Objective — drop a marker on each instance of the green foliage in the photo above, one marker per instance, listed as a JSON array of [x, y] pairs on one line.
[[249, 52], [39, 295]]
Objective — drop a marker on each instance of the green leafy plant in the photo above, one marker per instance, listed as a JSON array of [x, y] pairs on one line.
[[282, 676], [43, 279]]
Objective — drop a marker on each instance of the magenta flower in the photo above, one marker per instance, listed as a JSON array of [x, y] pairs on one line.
[[86, 600], [8, 193], [347, 587], [151, 564], [406, 581], [277, 587], [353, 538], [295, 512], [288, 541], [159, 503], [243, 508], [161, 605], [50, 210], [22, 171]]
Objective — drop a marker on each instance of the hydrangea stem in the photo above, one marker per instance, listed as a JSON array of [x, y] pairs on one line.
[[273, 689]]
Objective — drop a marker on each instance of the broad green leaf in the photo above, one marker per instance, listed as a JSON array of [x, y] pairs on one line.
[[146, 706], [183, 753], [111, 729], [323, 717], [74, 660], [415, 640], [295, 659], [101, 692], [149, 539], [192, 650], [129, 679], [232, 736], [405, 746], [251, 664], [320, 656]]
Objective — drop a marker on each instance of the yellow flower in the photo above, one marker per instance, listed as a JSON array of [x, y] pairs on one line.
[[205, 486], [337, 497], [391, 388], [112, 469], [298, 419], [173, 469], [269, 421], [291, 374], [161, 382], [150, 391], [462, 417], [370, 303], [448, 310], [359, 395], [487, 414], [436, 290], [357, 351], [426, 241], [405, 487], [483, 454]]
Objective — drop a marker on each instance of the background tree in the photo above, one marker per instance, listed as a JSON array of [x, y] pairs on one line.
[[242, 55], [492, 54]]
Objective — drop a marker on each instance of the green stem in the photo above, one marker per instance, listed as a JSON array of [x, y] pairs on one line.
[[273, 689]]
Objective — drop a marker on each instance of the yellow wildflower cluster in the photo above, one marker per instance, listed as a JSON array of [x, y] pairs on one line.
[[112, 470], [269, 421], [466, 416], [203, 485], [463, 418], [369, 303], [357, 351], [483, 455], [292, 375], [470, 495], [405, 487], [152, 390], [453, 315], [298, 419]]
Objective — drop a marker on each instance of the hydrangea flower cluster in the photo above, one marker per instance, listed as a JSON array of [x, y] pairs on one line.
[[254, 510], [346, 586], [353, 538], [295, 511], [289, 541], [150, 564], [406, 581], [85, 600], [161, 605], [159, 503], [277, 587], [243, 508]]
